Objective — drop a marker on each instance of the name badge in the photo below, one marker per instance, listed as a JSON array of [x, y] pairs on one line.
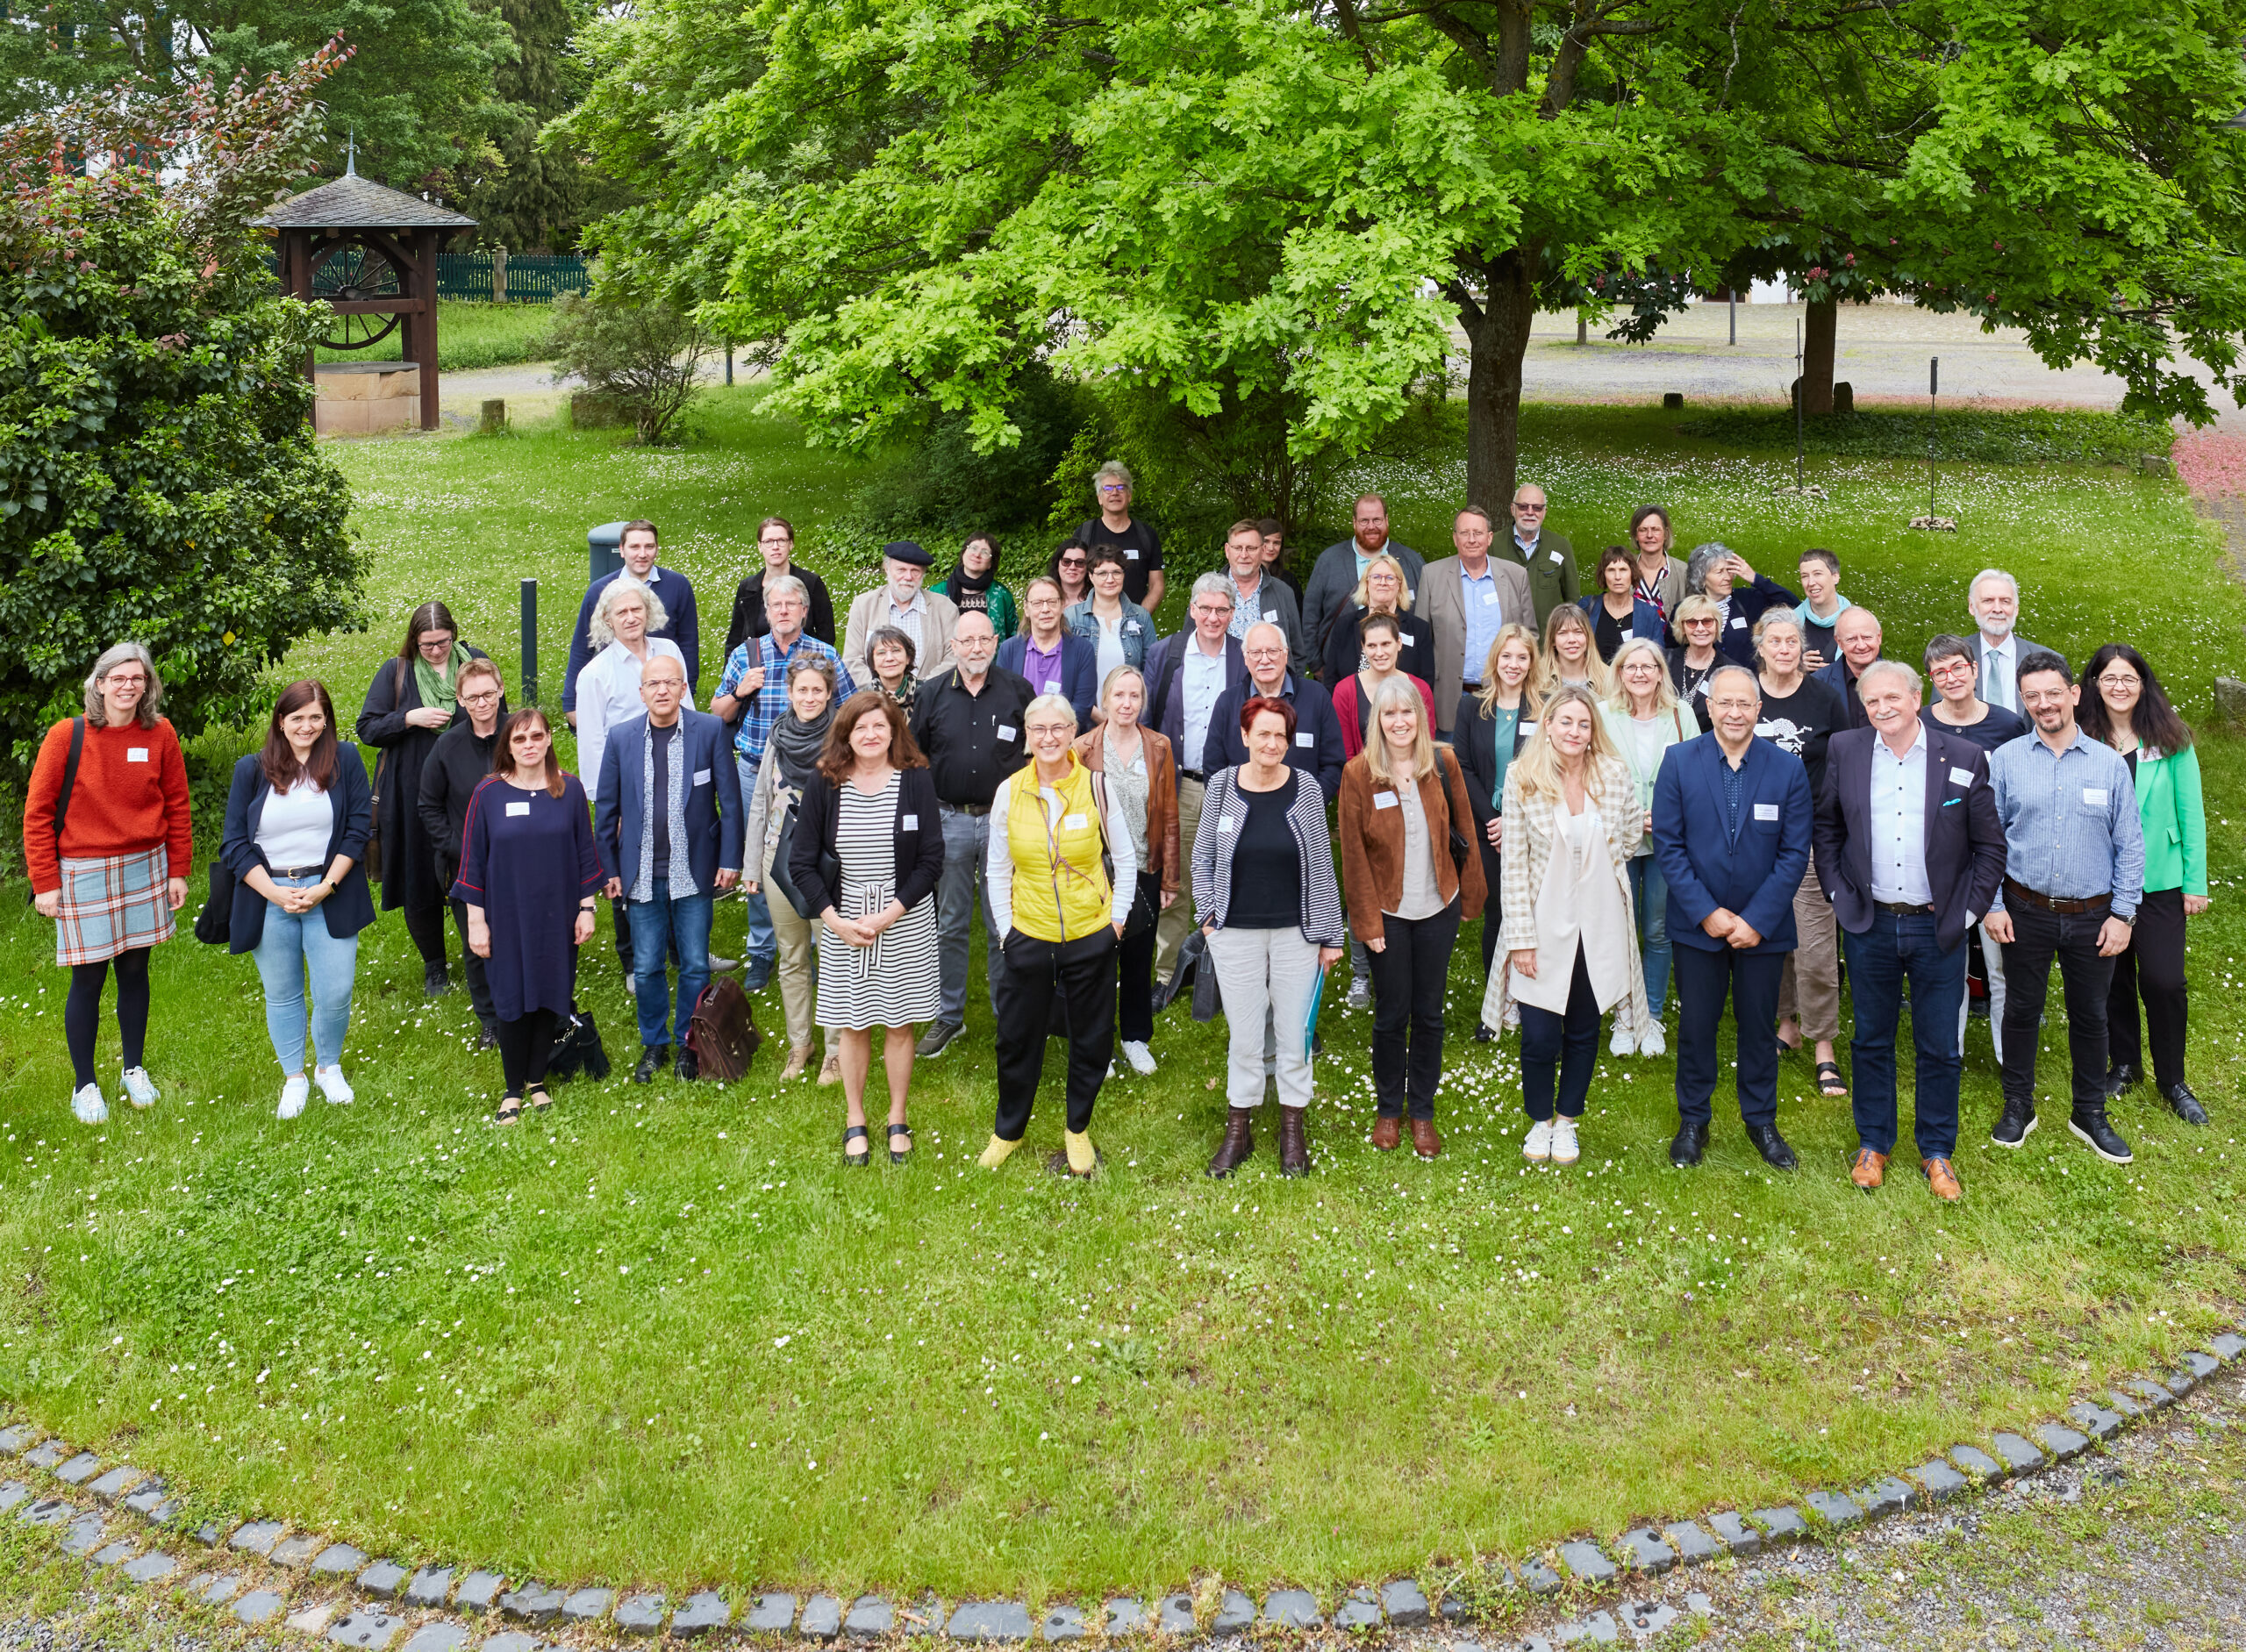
[[1271, 615], [1072, 823], [1131, 624], [2095, 795], [1766, 811], [1489, 599], [1306, 740], [1053, 687], [701, 776], [1224, 823], [136, 753], [1130, 553], [1961, 777], [1555, 556], [1405, 640], [909, 823], [1007, 731], [1384, 800], [1525, 730], [519, 808], [1738, 622]]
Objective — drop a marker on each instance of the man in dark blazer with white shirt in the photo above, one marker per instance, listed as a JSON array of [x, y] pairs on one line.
[[1911, 853], [1731, 821]]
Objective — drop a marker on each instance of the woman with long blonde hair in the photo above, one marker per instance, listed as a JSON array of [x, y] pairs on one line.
[[1573, 819], [1644, 718], [1569, 655], [1494, 722]]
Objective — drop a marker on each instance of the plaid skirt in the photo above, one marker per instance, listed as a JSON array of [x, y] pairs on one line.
[[113, 903]]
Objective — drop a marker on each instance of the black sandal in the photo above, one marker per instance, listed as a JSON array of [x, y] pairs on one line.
[[1833, 1088], [511, 1108], [540, 1099], [863, 1156], [895, 1130]]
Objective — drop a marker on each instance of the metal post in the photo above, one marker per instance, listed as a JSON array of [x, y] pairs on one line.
[[1934, 387], [1731, 298], [1799, 368], [529, 642]]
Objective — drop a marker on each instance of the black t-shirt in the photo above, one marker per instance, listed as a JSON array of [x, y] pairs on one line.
[[1692, 685], [1992, 731], [1266, 861], [1141, 548], [1803, 723], [1607, 632]]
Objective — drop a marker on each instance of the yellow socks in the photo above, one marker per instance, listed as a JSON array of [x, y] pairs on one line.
[[997, 1153], [1082, 1159]]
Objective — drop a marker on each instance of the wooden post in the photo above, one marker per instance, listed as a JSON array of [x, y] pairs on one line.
[[499, 275], [422, 338]]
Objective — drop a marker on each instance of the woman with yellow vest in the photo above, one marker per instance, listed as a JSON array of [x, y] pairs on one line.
[[1059, 912]]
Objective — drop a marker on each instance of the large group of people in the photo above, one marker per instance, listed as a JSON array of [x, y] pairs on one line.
[[1639, 771]]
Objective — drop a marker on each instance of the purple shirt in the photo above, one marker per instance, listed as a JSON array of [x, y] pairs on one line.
[[1041, 666]]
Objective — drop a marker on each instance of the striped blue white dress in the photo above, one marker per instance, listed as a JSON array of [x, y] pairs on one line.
[[896, 981]]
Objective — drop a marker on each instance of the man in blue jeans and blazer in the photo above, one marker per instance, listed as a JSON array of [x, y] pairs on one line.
[[1731, 823], [667, 824], [1912, 854]]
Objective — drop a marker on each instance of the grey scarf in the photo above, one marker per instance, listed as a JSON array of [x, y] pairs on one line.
[[799, 744]]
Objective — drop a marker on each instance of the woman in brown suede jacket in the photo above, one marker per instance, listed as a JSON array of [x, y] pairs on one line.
[[1137, 780], [1411, 877]]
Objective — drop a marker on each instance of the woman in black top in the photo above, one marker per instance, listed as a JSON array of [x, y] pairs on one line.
[[1494, 724], [1741, 595], [1693, 657], [459, 763], [1957, 708]]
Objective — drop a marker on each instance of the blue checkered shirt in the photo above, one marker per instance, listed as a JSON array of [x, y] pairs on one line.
[[755, 729]]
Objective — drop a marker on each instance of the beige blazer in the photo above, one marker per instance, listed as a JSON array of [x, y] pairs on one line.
[[868, 613], [1672, 592], [1443, 604]]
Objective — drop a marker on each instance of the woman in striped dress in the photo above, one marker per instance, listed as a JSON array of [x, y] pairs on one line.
[[868, 850]]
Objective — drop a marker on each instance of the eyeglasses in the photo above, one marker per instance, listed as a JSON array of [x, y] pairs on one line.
[[1531, 510], [1072, 562], [2120, 680], [436, 644], [1113, 487], [485, 698], [1695, 624]]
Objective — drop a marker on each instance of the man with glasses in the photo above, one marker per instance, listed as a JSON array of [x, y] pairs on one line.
[[682, 625], [1338, 569], [775, 543], [1731, 829], [1317, 750], [2073, 877], [1993, 601], [1466, 599], [1258, 597], [1187, 674], [1546, 557], [1140, 545]]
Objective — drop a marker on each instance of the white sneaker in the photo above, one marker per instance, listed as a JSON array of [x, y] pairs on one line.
[[1538, 1148], [1360, 993], [1623, 1043], [1650, 1042], [332, 1084], [294, 1093], [140, 1088], [88, 1106], [1136, 1052], [1565, 1150]]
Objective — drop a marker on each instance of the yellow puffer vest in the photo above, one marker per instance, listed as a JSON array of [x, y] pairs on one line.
[[1060, 889]]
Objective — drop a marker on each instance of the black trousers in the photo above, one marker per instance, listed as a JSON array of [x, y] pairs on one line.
[[1560, 1051], [1082, 974], [525, 1047], [1750, 979], [1135, 969], [479, 984], [1493, 926], [2037, 938], [427, 925], [2153, 966], [1408, 976]]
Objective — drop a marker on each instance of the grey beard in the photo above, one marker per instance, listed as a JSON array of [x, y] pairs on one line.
[[1997, 628]]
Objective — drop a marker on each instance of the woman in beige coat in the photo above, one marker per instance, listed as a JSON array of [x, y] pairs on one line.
[[1571, 822]]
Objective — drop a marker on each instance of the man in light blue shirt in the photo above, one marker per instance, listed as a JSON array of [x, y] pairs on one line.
[[2074, 874]]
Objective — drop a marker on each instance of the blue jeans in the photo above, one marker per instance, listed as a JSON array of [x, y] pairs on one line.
[[656, 925], [763, 944], [1900, 947], [293, 943], [1650, 896], [961, 895]]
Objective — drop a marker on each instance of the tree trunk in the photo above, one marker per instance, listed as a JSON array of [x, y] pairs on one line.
[[1817, 337], [1497, 333]]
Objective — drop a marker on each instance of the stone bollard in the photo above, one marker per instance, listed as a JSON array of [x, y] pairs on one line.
[[1672, 400], [2230, 701], [2155, 465], [494, 421], [1844, 397]]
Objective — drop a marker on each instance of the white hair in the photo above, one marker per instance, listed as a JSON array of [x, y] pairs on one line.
[[784, 585], [1890, 667], [1113, 470], [600, 630], [1213, 584], [1057, 703], [1973, 590]]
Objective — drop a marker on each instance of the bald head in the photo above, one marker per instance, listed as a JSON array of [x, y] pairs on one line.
[[1857, 634], [662, 688], [973, 643]]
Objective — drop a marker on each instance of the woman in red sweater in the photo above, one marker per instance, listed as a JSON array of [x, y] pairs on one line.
[[109, 853]]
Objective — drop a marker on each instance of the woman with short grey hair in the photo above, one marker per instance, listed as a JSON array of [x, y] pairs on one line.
[[1740, 596]]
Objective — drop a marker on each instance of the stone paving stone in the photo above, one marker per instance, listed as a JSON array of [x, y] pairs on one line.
[[85, 1536], [587, 1606], [164, 1514], [2019, 1456], [2094, 1420], [1359, 1611], [224, 1588], [17, 1438], [52, 1511], [12, 1493], [1174, 1615], [1293, 1609], [822, 1619], [989, 1620], [196, 1584], [337, 1560], [258, 1605], [1123, 1616], [429, 1586], [79, 1469], [297, 1552], [383, 1579], [2116, 1400], [480, 1591], [531, 1603], [210, 1535], [1404, 1603], [1650, 1619], [257, 1538], [1838, 1509], [1584, 1560], [1692, 1545], [513, 1641], [372, 1630], [1235, 1611], [705, 1611], [146, 1498], [437, 1637], [2180, 1382], [151, 1568], [2060, 1440], [116, 1483], [2228, 1346], [1937, 1482], [47, 1454], [314, 1619], [1737, 1535], [1643, 1551], [1598, 1627], [1884, 1497], [1063, 1623], [110, 1554], [2200, 1365], [1781, 1524], [1539, 1578], [2151, 1393], [1701, 1605], [643, 1614], [870, 1618]]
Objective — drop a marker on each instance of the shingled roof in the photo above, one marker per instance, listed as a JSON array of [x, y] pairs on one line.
[[353, 202]]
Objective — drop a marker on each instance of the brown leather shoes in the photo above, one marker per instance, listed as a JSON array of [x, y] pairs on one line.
[[1425, 1141], [1869, 1170], [1294, 1152], [1239, 1142], [1941, 1179], [1388, 1134]]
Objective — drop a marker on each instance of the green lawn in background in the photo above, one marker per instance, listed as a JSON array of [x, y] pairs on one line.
[[469, 335], [663, 1336]]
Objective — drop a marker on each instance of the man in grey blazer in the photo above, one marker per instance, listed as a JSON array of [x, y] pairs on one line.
[[1339, 568], [1467, 598], [1258, 597], [1993, 600]]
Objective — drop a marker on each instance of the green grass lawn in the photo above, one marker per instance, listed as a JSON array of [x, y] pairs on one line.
[[664, 1336], [469, 335]]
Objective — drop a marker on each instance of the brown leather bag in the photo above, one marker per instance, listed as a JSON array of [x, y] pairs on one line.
[[722, 1031]]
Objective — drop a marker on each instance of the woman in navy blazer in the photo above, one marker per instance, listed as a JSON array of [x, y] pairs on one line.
[[1722, 575], [1616, 611], [298, 816], [1042, 625]]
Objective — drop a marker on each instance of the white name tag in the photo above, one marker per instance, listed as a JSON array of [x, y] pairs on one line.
[[519, 808], [1271, 615], [1131, 624], [1555, 556], [1006, 731], [1306, 740], [1224, 823], [1053, 687], [1738, 622], [1072, 823], [1526, 730], [2095, 795], [136, 753], [1766, 811], [1130, 552], [910, 823], [1489, 599], [701, 776], [1961, 777], [1405, 640], [1384, 800]]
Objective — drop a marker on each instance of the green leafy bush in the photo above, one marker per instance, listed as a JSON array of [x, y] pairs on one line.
[[641, 355]]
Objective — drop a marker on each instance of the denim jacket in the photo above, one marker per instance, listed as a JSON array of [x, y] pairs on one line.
[[1137, 629]]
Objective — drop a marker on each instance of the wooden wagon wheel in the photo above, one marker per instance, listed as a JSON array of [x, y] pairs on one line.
[[351, 272]]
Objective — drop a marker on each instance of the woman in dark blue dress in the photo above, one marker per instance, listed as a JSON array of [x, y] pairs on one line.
[[528, 877]]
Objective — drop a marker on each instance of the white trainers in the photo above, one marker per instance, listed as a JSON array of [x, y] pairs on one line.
[[1538, 1148], [1650, 1042], [1624, 1042], [294, 1093], [1565, 1150], [1136, 1052], [87, 1104], [140, 1088], [332, 1084]]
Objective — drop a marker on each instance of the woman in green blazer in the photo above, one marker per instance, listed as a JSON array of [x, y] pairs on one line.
[[2130, 712]]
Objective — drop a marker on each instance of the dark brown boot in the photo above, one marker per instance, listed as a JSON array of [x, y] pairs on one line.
[[1294, 1152], [1425, 1141], [1239, 1142], [1387, 1133]]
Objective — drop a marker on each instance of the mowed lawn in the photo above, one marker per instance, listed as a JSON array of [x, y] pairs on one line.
[[664, 1336]]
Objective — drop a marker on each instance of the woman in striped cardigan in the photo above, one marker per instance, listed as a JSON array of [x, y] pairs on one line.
[[1264, 882]]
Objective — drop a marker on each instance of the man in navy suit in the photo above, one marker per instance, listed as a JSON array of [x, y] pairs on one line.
[[1731, 820], [1912, 851], [667, 823], [1317, 751]]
